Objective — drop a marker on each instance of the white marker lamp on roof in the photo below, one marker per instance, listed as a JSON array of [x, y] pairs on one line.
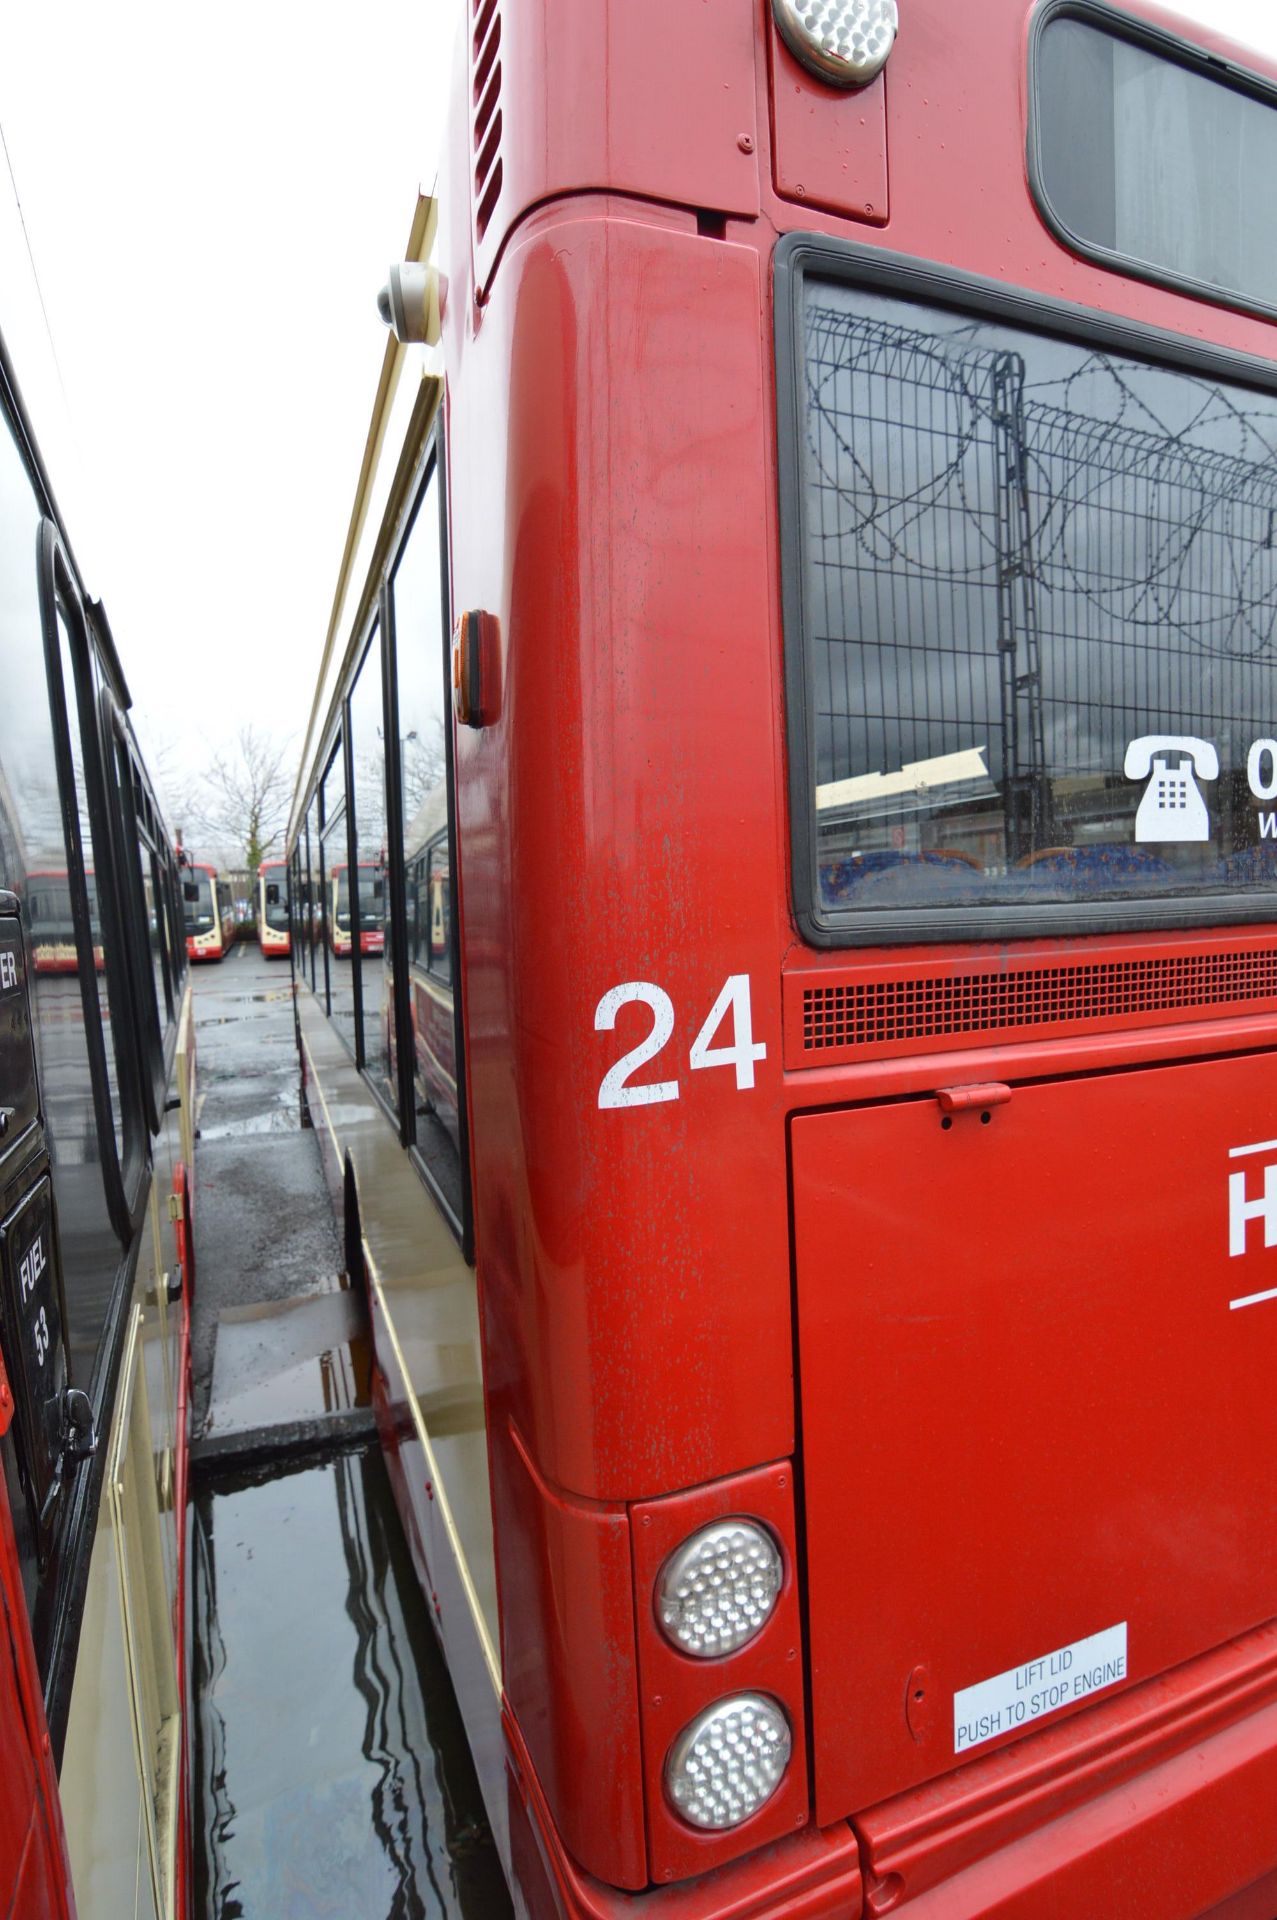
[[411, 303], [845, 42]]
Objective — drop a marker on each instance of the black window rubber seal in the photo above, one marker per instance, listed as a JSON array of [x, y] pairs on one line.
[[797, 258], [1178, 52]]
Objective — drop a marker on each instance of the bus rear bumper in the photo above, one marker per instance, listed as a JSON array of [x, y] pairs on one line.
[[1161, 1803], [814, 1875]]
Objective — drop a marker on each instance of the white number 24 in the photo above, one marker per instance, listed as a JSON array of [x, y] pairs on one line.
[[614, 1090]]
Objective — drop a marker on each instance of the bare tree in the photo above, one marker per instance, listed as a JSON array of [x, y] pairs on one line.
[[177, 791], [424, 764], [246, 802]]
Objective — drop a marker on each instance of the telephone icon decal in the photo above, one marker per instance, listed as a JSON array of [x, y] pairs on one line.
[[1172, 808]]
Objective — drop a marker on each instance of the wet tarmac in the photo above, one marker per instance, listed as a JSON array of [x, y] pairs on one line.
[[331, 1775], [263, 1223]]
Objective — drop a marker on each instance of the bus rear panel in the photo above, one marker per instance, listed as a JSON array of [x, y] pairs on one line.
[[824, 1304]]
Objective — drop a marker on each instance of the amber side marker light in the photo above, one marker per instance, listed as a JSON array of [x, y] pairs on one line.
[[476, 670], [845, 42]]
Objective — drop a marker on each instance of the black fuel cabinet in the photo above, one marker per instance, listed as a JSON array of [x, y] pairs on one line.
[[37, 1406]]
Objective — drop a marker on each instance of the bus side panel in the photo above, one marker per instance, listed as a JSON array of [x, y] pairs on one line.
[[32, 1855], [567, 1664], [678, 119], [644, 848]]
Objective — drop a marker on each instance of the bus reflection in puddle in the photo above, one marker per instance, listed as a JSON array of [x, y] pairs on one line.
[[370, 1806]]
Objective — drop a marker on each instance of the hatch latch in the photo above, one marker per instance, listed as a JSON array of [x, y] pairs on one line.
[[982, 1095]]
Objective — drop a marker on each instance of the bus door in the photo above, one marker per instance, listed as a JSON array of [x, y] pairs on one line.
[[1005, 1325]]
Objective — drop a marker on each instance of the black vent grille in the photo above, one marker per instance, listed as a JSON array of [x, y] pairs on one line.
[[873, 1012]]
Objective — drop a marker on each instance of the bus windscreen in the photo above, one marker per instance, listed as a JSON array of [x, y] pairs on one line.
[[275, 893], [197, 902], [371, 897], [49, 908]]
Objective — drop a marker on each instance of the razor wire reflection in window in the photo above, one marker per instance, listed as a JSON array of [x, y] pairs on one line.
[[1024, 560]]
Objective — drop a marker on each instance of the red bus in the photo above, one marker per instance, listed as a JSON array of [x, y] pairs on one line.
[[48, 903], [210, 915], [97, 1127], [820, 569], [273, 935]]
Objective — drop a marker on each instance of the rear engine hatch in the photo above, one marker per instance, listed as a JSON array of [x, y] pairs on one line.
[[1039, 1405]]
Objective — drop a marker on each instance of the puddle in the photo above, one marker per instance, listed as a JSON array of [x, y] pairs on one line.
[[235, 1019], [288, 1360], [332, 1780], [274, 1120]]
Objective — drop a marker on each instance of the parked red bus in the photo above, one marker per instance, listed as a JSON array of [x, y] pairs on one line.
[[272, 909], [823, 578], [47, 897], [210, 915]]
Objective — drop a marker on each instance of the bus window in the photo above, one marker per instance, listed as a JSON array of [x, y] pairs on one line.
[[132, 799], [315, 942], [420, 631], [69, 682], [1139, 156], [335, 857], [34, 865], [368, 762], [978, 718], [439, 908]]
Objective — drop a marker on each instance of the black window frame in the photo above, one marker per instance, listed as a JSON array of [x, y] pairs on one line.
[[431, 850], [352, 880], [335, 751], [1166, 46], [379, 629], [433, 466], [798, 258], [308, 898], [377, 636], [124, 1173], [396, 921], [135, 839]]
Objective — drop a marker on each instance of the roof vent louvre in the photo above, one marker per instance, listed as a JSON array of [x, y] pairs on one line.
[[485, 125]]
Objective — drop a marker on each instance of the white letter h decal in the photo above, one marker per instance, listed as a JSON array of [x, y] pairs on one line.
[[1240, 1210]]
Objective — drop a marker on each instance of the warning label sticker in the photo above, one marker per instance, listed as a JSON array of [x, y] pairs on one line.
[[1022, 1694]]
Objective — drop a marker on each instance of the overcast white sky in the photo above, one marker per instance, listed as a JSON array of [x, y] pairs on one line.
[[212, 196]]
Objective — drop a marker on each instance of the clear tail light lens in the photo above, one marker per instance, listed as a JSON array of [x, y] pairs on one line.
[[718, 1589], [729, 1761], [844, 41]]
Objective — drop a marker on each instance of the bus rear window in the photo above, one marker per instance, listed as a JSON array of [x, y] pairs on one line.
[[1155, 162], [1038, 594]]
